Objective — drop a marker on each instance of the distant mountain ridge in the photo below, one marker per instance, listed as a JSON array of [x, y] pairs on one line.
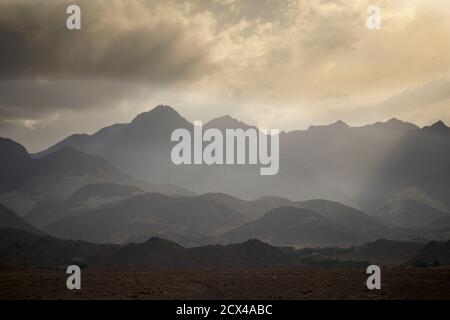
[[192, 220], [299, 227], [394, 171], [26, 180], [85, 199], [335, 162], [189, 220]]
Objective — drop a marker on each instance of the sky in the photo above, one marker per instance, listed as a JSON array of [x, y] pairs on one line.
[[283, 64]]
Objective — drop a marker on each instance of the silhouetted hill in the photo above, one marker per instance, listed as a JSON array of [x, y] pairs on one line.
[[433, 253], [22, 248], [250, 254], [155, 253], [386, 252], [438, 127]]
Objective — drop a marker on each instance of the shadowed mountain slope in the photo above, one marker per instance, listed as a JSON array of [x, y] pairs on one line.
[[386, 252], [18, 247], [85, 199], [146, 215], [417, 155], [433, 253], [288, 226], [16, 166], [26, 181], [9, 219]]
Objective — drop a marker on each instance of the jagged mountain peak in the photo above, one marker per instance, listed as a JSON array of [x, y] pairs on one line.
[[397, 123], [394, 120], [340, 123], [392, 125], [160, 111], [437, 127], [440, 124], [335, 125]]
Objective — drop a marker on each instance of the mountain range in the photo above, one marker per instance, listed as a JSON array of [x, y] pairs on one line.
[[359, 166], [22, 245], [194, 220], [337, 186], [19, 247]]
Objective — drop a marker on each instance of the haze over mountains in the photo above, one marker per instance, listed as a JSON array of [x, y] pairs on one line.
[[296, 227], [337, 186], [200, 220], [359, 166], [25, 180]]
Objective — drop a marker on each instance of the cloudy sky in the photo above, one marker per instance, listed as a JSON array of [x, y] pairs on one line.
[[274, 63]]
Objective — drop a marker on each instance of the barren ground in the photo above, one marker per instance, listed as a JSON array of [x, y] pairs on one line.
[[289, 283]]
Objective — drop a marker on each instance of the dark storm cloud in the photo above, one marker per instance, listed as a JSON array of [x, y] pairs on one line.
[[44, 66], [112, 42]]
